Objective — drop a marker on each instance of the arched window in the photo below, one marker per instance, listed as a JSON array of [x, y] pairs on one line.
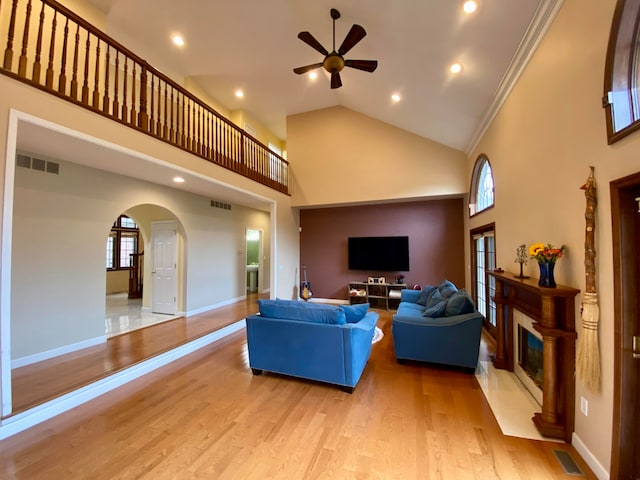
[[622, 72], [481, 196]]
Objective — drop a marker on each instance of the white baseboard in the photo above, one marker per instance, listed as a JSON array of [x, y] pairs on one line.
[[198, 311], [589, 458], [22, 421], [39, 357]]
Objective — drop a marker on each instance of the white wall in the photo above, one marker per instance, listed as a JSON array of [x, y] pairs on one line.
[[60, 227], [341, 156], [541, 144]]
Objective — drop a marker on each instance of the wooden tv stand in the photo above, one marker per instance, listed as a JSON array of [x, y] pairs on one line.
[[378, 295]]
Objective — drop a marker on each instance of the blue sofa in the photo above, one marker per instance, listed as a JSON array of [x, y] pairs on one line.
[[319, 342], [437, 325]]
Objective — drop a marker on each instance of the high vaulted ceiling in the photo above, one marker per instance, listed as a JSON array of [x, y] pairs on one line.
[[253, 45]]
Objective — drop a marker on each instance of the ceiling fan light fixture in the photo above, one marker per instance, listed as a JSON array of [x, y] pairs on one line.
[[334, 61]]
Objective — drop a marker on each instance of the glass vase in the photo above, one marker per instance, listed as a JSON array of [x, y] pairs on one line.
[[546, 275]]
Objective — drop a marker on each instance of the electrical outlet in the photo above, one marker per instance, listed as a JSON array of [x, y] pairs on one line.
[[584, 406]]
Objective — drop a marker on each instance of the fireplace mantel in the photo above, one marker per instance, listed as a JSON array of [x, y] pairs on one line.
[[553, 312]]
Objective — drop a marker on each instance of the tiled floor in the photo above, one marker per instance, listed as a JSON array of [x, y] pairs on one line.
[[124, 315], [511, 403]]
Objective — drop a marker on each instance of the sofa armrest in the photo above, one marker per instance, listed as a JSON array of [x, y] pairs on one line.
[[408, 295]]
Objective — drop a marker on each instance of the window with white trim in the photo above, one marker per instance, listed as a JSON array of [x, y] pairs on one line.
[[482, 190], [483, 243], [122, 242]]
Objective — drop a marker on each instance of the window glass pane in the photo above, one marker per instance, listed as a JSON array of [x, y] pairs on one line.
[[110, 248], [485, 187], [127, 247], [126, 222]]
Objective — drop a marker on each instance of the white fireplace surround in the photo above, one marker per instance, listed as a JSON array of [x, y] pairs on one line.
[[526, 322]]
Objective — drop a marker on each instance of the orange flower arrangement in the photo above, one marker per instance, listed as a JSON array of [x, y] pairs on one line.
[[546, 253]]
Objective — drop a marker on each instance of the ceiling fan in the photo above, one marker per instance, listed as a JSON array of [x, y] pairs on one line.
[[334, 62]]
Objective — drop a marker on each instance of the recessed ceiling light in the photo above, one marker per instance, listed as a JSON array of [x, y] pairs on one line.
[[239, 93], [178, 40], [455, 68], [178, 179], [313, 75], [395, 97], [470, 6]]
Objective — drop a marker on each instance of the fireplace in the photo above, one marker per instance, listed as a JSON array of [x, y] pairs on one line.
[[528, 348], [525, 314]]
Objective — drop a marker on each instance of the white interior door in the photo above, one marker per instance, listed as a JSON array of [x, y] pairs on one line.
[[164, 269]]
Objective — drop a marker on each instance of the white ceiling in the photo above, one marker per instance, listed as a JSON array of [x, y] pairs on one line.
[[252, 44]]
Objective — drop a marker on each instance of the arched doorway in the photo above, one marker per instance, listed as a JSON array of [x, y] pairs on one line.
[[133, 292]]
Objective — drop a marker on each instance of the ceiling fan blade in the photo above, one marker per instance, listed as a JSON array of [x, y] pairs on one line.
[[307, 68], [356, 34], [366, 65], [310, 40], [336, 82]]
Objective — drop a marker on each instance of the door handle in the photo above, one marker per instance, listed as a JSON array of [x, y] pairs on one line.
[[636, 347]]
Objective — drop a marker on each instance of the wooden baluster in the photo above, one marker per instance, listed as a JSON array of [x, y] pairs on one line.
[[183, 139], [22, 62], [171, 129], [74, 75], [52, 47], [143, 116], [200, 130], [96, 78], [8, 52], [134, 117], [116, 84], [85, 83], [105, 96], [168, 118], [153, 124], [206, 134], [62, 79], [165, 118], [124, 114], [36, 64], [188, 144]]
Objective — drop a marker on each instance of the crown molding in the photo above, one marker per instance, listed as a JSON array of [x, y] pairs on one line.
[[540, 23]]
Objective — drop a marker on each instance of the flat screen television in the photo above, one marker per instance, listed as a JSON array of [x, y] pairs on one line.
[[384, 254]]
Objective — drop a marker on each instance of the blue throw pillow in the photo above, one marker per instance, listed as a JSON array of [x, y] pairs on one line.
[[459, 303], [435, 299], [355, 313], [447, 289], [437, 310], [425, 295]]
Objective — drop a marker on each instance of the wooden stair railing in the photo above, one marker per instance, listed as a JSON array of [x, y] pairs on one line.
[[136, 274], [87, 67]]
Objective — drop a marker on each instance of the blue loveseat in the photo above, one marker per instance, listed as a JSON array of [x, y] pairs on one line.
[[319, 342], [438, 325]]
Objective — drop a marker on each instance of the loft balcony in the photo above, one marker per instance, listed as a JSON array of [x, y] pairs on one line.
[[51, 48]]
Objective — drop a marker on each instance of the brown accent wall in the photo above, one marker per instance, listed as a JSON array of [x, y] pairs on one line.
[[436, 242]]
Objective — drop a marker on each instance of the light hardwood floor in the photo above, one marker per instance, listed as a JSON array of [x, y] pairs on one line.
[[206, 416]]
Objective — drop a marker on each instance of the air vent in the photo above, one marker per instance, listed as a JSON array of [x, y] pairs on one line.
[[39, 164], [222, 205]]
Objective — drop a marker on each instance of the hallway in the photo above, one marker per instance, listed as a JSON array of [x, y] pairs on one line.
[[125, 315]]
